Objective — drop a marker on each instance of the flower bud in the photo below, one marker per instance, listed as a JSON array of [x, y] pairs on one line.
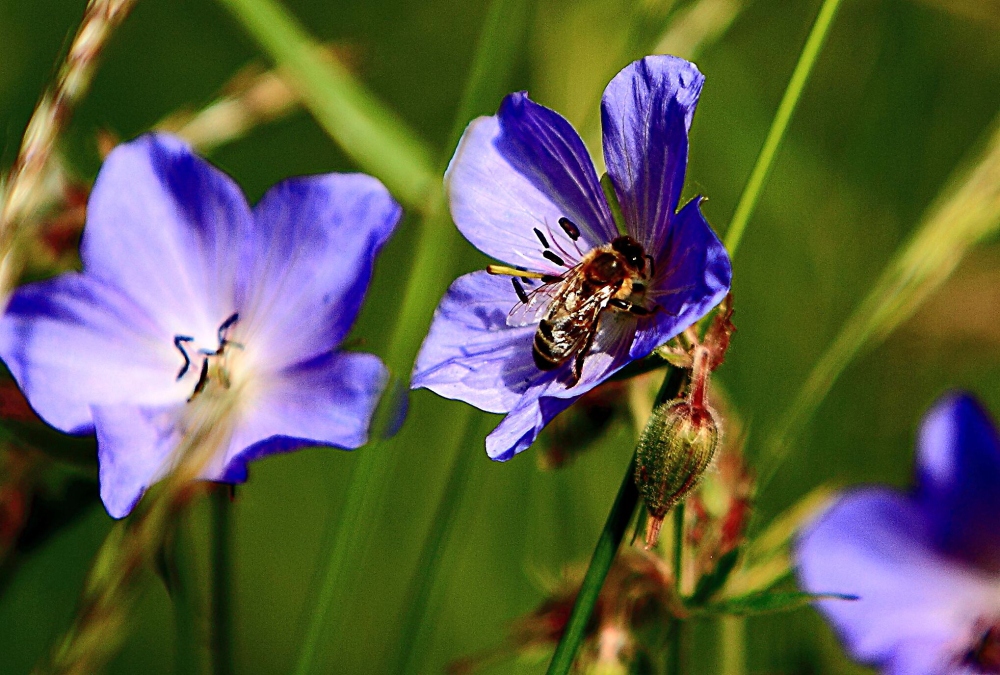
[[676, 447]]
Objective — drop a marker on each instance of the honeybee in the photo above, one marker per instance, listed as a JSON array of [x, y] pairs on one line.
[[568, 307]]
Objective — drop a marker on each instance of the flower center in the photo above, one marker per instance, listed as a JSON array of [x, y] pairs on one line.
[[214, 363], [984, 656]]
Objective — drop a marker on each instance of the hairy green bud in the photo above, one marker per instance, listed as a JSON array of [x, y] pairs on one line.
[[674, 451]]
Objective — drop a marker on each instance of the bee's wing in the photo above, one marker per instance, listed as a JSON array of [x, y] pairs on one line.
[[574, 330], [539, 301]]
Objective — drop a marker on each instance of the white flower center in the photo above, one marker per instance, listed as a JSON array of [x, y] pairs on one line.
[[212, 363]]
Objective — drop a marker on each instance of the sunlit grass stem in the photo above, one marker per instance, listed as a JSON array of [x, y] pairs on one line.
[[807, 59], [966, 213], [368, 131], [23, 191]]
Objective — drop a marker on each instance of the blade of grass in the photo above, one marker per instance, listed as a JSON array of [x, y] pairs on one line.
[[369, 132], [428, 279], [503, 31], [807, 59], [966, 213]]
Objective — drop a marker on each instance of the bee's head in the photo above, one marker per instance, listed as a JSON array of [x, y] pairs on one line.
[[632, 251]]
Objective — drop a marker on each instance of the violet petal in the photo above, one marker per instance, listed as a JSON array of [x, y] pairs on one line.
[[646, 112], [522, 170]]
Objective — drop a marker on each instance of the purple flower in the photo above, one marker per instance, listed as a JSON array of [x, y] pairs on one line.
[[524, 190], [187, 295], [925, 565]]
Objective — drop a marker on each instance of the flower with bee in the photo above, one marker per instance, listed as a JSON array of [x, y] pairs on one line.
[[576, 298]]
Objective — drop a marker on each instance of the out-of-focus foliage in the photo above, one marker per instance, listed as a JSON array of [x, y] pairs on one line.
[[903, 92]]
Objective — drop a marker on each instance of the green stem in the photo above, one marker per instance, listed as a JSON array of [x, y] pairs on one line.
[[751, 193], [607, 547], [600, 563], [429, 562], [222, 630]]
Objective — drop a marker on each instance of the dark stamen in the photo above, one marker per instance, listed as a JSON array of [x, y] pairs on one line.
[[521, 295], [202, 379], [225, 325], [527, 281], [541, 238], [553, 257], [570, 228], [178, 339]]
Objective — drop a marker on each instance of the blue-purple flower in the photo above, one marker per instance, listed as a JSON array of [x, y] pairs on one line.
[[924, 565], [523, 190], [189, 294]]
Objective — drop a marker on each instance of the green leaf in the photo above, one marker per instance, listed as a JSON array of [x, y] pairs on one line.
[[710, 584], [766, 602], [369, 132]]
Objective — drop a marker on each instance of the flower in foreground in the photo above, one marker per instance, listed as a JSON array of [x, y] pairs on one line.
[[576, 300], [187, 295], [925, 565]]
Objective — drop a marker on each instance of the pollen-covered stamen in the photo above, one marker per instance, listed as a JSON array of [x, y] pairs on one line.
[[549, 255], [570, 228], [213, 361]]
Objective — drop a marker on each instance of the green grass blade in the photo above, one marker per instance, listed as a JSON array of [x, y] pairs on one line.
[[751, 193], [965, 214], [428, 279], [370, 133]]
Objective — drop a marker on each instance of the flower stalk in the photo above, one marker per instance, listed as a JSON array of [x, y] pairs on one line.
[[608, 543], [112, 586]]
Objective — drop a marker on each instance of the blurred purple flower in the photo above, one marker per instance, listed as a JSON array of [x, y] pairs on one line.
[[925, 565], [187, 293], [524, 190]]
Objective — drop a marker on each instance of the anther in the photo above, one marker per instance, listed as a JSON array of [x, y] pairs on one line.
[[521, 295], [554, 258], [202, 379], [570, 228], [178, 339], [234, 317], [541, 238]]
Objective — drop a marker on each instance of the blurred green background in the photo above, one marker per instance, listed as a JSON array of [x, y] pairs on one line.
[[902, 93]]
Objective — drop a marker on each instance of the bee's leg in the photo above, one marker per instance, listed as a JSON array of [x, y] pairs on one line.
[[581, 356], [652, 266], [632, 308]]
